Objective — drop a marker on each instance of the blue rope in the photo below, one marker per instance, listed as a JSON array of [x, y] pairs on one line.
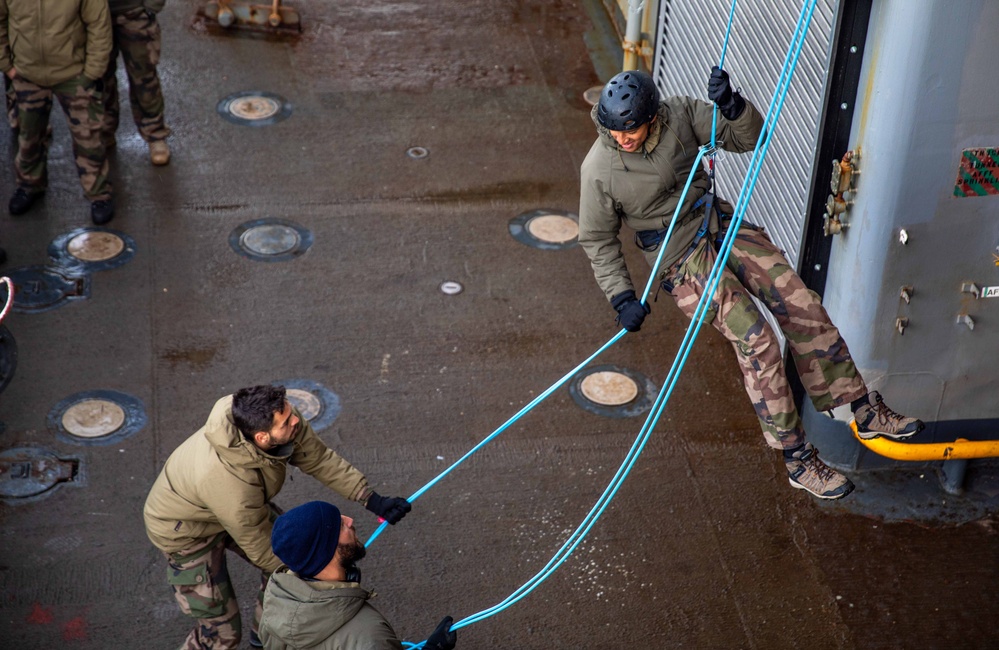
[[693, 329], [721, 64], [540, 398], [537, 400]]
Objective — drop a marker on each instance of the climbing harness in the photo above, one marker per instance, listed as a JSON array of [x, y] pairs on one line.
[[693, 329], [649, 240]]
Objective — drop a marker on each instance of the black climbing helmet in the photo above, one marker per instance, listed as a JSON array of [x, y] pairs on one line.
[[629, 100]]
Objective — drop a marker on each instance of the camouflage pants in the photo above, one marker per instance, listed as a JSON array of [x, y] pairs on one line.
[[11, 102], [81, 101], [757, 267], [137, 38], [200, 579]]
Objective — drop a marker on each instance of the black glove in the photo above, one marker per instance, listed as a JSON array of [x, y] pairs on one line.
[[442, 638], [731, 104], [391, 509], [630, 312]]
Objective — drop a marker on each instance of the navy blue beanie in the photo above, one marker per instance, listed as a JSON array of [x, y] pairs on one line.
[[305, 538]]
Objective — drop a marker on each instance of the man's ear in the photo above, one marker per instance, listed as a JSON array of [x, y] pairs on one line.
[[261, 438]]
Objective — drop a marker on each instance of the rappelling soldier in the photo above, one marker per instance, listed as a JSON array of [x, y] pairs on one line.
[[634, 174]]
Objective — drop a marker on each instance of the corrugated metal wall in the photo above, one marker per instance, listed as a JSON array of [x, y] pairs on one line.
[[691, 33]]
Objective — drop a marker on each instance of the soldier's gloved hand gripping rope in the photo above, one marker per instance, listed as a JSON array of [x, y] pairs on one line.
[[630, 311], [730, 104], [443, 637], [391, 509]]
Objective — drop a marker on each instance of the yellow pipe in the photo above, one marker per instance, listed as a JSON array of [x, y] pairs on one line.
[[957, 450]]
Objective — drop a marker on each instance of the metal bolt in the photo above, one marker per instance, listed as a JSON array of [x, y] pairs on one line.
[[901, 324], [903, 237], [853, 49], [906, 293], [844, 106]]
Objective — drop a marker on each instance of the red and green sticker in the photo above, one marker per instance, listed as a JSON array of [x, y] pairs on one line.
[[978, 174]]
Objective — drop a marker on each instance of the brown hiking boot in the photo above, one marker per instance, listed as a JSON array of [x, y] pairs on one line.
[[159, 152], [876, 419], [806, 472]]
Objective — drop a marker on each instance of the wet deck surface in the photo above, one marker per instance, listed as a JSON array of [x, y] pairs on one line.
[[705, 545]]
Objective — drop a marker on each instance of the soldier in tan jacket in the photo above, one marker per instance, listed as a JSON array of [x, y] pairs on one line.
[[58, 48], [215, 491]]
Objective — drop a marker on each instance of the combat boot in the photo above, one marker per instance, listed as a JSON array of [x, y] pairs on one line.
[[159, 152], [22, 200], [806, 472], [875, 419], [102, 212]]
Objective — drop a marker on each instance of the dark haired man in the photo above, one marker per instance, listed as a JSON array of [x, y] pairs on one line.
[[316, 600], [214, 493], [634, 174]]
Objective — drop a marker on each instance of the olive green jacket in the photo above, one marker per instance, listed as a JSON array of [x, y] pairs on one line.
[[119, 7], [52, 41], [322, 616], [216, 480], [642, 189]]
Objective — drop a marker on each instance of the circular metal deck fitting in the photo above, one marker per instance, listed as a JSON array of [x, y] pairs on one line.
[[608, 388], [85, 250], [450, 288], [97, 417], [612, 391], [93, 418], [8, 356], [270, 240], [254, 108], [41, 288], [28, 474], [317, 404], [546, 229], [592, 95], [417, 153]]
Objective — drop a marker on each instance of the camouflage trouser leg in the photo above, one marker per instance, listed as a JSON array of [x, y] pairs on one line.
[[258, 608], [820, 354], [137, 36], [200, 580], [11, 98], [82, 104]]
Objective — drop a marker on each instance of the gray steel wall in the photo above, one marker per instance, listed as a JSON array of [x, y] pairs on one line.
[[928, 93], [691, 33]]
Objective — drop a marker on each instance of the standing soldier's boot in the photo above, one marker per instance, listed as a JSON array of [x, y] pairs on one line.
[[159, 152], [102, 212]]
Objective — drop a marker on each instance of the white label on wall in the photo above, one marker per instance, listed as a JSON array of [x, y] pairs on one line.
[[990, 292]]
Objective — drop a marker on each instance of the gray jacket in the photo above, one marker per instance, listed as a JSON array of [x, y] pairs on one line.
[[642, 189], [322, 615]]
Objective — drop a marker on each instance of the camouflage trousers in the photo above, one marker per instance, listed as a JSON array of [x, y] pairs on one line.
[[757, 267], [82, 102], [200, 579], [137, 37], [11, 102]]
